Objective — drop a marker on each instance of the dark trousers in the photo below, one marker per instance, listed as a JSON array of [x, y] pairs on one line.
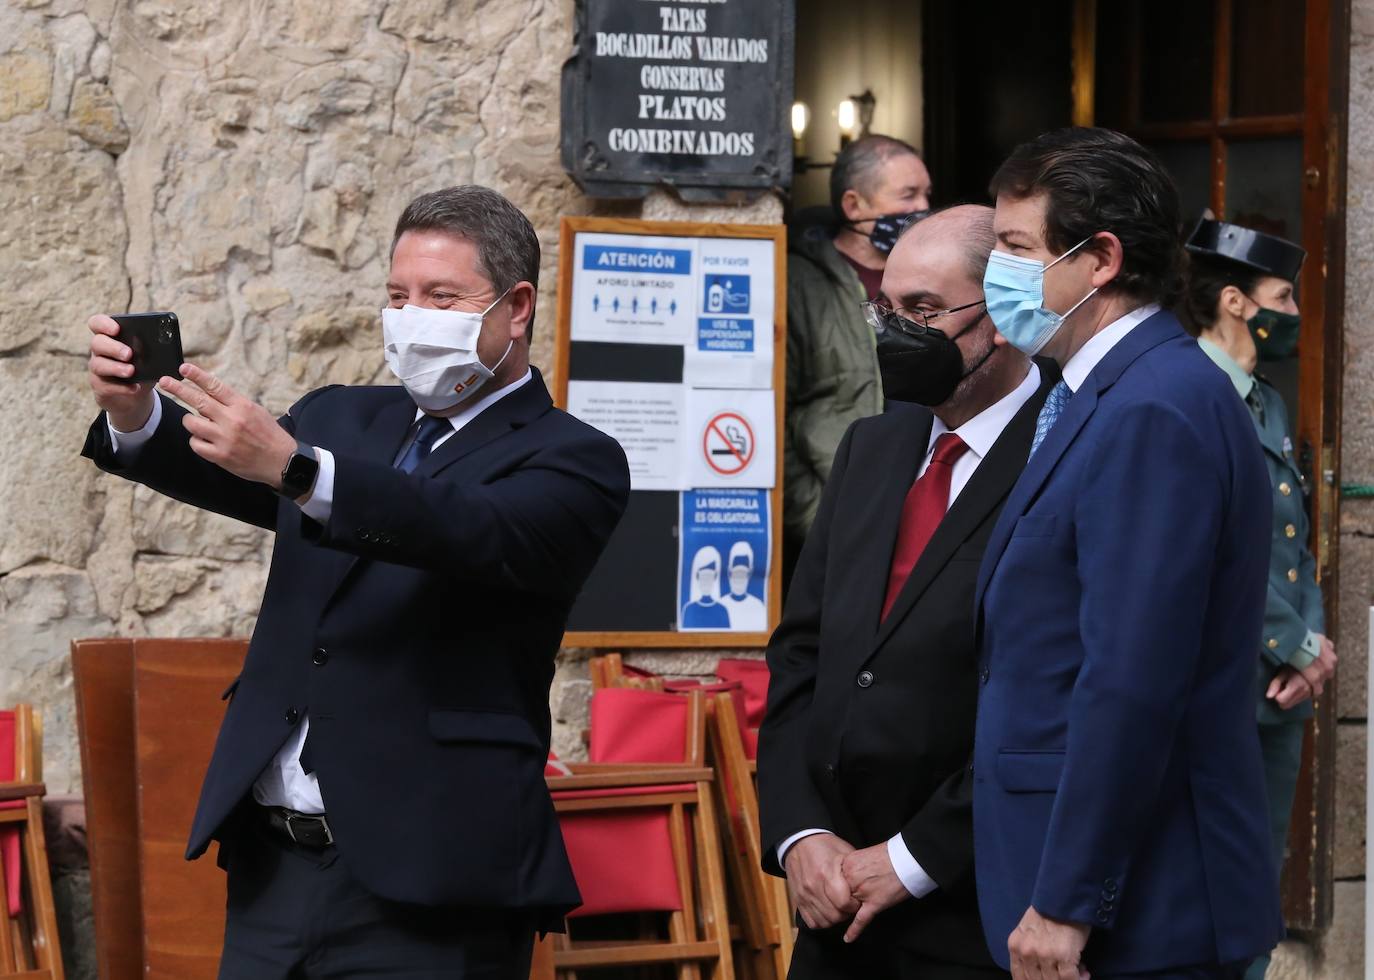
[[295, 912], [824, 956]]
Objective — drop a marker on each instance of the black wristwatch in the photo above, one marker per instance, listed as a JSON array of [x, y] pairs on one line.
[[298, 475]]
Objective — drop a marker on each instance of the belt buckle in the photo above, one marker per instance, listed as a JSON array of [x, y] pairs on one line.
[[291, 830]]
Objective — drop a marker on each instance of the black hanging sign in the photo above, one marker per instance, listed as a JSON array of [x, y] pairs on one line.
[[695, 94]]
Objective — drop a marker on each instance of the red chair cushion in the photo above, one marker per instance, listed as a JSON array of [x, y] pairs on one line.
[[753, 677], [623, 859], [9, 836], [630, 725]]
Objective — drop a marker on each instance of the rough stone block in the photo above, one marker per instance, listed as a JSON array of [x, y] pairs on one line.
[[50, 504], [1293, 960], [1342, 947], [1348, 845], [43, 607], [25, 83], [1352, 633], [63, 227], [163, 526]]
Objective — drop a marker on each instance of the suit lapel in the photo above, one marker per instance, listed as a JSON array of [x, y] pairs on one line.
[[878, 522], [1144, 337], [517, 409], [383, 438], [988, 486]]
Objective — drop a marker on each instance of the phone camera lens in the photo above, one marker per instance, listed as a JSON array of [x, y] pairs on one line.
[[165, 334]]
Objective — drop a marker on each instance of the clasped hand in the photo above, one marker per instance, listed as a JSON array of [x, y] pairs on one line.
[[834, 883]]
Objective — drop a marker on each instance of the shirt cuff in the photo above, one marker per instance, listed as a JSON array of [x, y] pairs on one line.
[[320, 503], [786, 845], [912, 875], [128, 443], [1307, 652]]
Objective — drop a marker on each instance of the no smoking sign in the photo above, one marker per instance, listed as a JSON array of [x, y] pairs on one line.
[[728, 443]]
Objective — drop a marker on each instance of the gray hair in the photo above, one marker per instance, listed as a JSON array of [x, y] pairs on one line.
[[507, 247], [858, 164]]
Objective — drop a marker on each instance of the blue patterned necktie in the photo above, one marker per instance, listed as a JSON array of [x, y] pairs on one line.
[[1049, 413], [431, 428]]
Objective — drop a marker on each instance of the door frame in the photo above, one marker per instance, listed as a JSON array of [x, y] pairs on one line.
[[1308, 880]]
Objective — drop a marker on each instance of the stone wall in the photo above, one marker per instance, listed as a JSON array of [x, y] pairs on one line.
[[242, 165]]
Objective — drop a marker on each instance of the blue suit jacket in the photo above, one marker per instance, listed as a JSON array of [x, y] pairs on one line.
[[418, 627], [1117, 774]]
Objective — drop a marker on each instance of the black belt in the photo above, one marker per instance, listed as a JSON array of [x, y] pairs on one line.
[[305, 829]]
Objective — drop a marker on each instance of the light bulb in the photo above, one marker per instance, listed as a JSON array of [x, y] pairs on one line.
[[801, 116], [847, 115]]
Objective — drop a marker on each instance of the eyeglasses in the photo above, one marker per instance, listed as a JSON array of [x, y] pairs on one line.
[[879, 317]]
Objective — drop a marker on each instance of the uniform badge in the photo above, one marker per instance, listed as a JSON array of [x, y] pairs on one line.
[[1287, 446]]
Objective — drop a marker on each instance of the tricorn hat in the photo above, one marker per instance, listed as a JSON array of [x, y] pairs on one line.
[[1269, 254]]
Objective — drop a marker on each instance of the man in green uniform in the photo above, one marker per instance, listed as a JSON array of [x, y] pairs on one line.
[[1240, 305], [877, 184]]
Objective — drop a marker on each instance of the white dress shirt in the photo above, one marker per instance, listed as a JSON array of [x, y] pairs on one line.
[[284, 783], [1088, 356], [978, 433]]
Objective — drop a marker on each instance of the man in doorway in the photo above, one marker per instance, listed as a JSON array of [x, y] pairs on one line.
[[1119, 802], [863, 754], [878, 183], [377, 788]]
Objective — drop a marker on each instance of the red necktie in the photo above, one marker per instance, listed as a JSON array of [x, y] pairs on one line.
[[924, 508]]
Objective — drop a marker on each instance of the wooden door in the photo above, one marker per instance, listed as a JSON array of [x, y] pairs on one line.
[[1246, 104]]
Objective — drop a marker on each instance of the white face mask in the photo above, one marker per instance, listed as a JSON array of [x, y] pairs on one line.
[[434, 353]]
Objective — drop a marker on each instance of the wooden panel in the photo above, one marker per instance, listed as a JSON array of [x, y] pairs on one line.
[[1308, 875], [104, 675], [177, 686]]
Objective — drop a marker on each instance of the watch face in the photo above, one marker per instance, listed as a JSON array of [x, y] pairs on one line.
[[299, 473]]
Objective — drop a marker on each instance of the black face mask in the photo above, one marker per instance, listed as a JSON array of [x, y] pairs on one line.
[[919, 363], [888, 227]]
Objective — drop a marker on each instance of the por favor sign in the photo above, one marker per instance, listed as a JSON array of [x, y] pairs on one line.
[[693, 94]]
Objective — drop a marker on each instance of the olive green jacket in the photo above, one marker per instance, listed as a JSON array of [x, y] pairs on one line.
[[832, 372], [1293, 612]]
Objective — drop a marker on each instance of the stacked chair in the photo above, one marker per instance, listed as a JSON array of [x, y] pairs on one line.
[[639, 821], [28, 929], [745, 912]]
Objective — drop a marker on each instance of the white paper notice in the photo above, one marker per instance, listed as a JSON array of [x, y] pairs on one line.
[[731, 342], [647, 421], [635, 289], [729, 438]]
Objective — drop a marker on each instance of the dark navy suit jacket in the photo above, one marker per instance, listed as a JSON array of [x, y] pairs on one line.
[[1117, 774], [418, 628]]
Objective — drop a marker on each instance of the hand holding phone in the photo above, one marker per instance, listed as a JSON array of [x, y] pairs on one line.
[[111, 371], [155, 340]]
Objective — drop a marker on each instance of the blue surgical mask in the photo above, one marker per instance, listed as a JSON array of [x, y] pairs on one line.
[[1015, 291]]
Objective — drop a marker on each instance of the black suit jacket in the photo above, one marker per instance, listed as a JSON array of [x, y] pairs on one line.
[[418, 628], [869, 728]]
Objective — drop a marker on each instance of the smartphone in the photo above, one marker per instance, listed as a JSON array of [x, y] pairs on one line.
[[155, 339]]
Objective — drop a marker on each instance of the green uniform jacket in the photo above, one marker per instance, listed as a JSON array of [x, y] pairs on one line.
[[1294, 604], [1293, 607], [832, 372]]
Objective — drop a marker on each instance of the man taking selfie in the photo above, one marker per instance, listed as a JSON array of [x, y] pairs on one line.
[[377, 787]]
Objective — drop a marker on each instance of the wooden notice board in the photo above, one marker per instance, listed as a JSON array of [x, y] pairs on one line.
[[671, 337]]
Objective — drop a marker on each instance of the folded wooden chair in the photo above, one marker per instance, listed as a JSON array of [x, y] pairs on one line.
[[768, 914], [762, 915], [28, 940], [640, 825], [609, 670]]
